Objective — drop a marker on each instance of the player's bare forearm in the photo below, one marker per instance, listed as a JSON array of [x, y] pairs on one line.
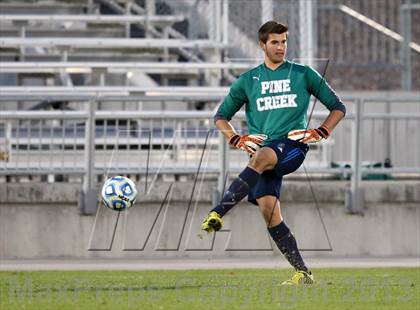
[[333, 119], [226, 128]]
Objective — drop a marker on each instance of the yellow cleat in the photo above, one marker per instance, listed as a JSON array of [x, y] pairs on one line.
[[300, 278], [212, 222]]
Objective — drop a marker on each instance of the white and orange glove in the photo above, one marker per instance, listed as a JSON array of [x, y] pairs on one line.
[[247, 143], [310, 135]]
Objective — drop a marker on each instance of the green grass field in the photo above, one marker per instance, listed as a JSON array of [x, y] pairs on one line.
[[381, 288]]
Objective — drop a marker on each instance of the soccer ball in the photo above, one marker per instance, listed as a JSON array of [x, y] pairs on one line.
[[119, 193]]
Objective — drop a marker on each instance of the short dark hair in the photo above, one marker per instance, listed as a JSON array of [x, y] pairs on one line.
[[270, 27]]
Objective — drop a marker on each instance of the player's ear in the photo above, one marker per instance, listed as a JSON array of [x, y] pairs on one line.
[[262, 45]]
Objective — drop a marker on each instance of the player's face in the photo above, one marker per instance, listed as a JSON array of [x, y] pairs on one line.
[[275, 48]]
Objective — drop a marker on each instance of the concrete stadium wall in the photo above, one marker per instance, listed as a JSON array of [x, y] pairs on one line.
[[43, 221]]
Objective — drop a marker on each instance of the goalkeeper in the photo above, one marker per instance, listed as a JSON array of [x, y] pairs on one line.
[[276, 97]]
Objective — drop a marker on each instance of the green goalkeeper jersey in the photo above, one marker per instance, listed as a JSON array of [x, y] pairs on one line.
[[276, 101]]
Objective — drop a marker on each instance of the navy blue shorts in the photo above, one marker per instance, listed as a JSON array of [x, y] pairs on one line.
[[290, 155]]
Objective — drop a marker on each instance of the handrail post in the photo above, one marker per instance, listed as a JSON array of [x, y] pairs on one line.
[[88, 202], [223, 167], [355, 196]]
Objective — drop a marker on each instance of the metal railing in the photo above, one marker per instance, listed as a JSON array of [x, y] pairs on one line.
[[158, 20], [108, 43], [40, 144], [89, 143], [149, 67], [53, 142]]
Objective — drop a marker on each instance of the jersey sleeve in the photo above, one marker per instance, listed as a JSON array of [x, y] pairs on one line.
[[233, 101], [319, 87]]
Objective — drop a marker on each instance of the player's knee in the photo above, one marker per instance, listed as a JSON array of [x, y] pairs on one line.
[[267, 205], [264, 158], [271, 213]]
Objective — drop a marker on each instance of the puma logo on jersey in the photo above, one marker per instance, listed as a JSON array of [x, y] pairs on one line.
[[256, 78]]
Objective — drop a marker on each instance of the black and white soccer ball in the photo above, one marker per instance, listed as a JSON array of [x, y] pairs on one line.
[[119, 193]]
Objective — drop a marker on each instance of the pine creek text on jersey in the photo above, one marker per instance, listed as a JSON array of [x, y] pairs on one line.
[[277, 101]]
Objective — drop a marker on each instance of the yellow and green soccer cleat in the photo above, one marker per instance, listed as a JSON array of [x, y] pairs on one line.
[[300, 278], [212, 222]]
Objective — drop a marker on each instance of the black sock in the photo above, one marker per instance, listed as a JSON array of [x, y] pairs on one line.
[[237, 190], [286, 243]]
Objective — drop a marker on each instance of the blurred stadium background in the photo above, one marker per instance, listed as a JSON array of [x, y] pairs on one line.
[[102, 87]]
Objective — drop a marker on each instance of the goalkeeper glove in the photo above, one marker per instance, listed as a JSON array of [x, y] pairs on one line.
[[310, 135], [247, 143]]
